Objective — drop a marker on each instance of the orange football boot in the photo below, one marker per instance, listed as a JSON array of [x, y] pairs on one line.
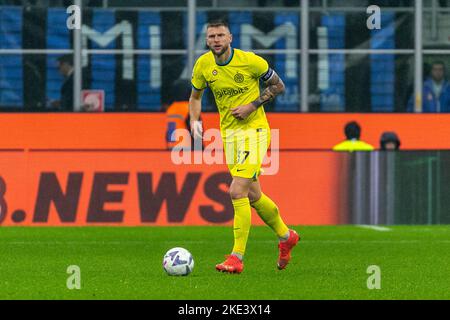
[[285, 248], [231, 265]]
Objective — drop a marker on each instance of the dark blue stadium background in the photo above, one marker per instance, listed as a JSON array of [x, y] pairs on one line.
[[362, 83]]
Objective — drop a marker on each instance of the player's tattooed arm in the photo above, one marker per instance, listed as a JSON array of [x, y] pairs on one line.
[[275, 86]]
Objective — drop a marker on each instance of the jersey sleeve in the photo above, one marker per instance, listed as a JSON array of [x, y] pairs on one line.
[[198, 80], [258, 65]]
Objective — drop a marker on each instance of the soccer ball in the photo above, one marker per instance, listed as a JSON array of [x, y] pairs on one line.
[[178, 262]]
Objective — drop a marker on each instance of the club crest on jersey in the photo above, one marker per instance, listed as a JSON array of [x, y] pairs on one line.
[[214, 73], [239, 78]]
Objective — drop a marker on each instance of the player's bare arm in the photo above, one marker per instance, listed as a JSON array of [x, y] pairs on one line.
[[195, 107], [275, 86]]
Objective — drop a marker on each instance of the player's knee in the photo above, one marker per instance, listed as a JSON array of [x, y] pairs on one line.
[[238, 193], [254, 196]]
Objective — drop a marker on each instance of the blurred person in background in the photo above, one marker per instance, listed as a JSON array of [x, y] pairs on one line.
[[352, 143], [389, 141], [436, 91], [66, 69]]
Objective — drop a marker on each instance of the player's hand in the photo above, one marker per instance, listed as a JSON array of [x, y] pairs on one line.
[[197, 130], [242, 112]]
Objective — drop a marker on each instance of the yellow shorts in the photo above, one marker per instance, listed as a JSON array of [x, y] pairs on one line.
[[245, 153]]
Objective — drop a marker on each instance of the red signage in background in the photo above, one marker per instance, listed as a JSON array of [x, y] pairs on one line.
[[113, 169], [67, 188], [148, 130], [95, 99]]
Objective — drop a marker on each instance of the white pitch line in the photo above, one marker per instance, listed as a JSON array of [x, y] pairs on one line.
[[376, 228]]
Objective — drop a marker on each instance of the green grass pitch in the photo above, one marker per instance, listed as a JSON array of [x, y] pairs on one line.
[[330, 262]]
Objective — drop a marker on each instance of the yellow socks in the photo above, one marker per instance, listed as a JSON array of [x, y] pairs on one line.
[[268, 211], [242, 223]]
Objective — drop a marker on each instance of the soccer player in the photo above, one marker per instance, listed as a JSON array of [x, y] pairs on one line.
[[233, 76]]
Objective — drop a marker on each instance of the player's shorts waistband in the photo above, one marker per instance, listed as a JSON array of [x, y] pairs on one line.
[[233, 132]]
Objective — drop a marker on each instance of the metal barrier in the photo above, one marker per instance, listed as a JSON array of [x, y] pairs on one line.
[[400, 187]]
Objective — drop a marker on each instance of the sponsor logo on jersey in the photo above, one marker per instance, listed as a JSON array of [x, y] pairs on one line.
[[229, 92]]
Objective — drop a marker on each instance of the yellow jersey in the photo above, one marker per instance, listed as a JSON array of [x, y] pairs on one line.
[[353, 145], [234, 83]]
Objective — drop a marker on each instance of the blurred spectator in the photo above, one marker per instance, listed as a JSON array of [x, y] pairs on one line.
[[389, 141], [436, 91], [352, 132], [65, 68], [178, 115]]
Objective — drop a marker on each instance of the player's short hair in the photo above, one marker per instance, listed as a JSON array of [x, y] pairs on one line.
[[352, 130], [217, 23], [67, 58]]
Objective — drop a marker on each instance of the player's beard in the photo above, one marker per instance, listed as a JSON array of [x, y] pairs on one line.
[[225, 49]]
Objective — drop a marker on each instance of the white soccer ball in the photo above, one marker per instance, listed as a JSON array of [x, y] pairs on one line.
[[178, 262]]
